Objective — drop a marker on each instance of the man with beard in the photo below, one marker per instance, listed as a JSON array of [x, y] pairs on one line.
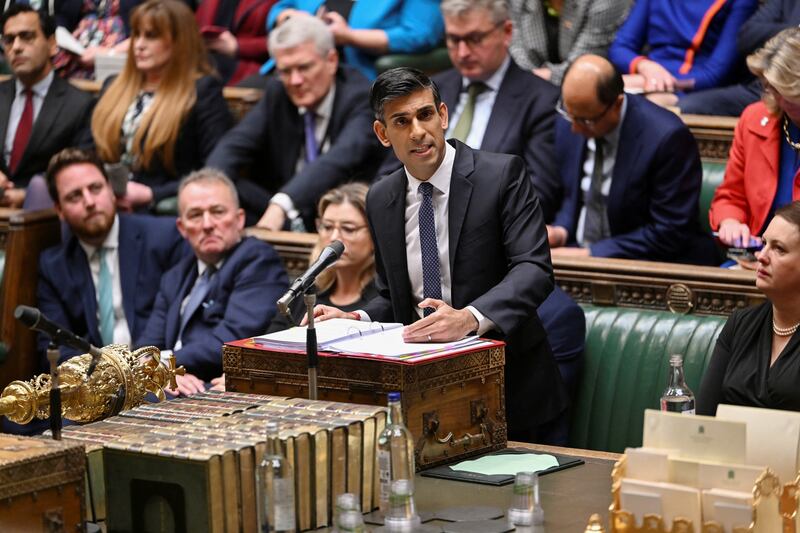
[[101, 282]]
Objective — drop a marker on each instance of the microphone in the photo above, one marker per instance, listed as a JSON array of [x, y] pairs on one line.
[[329, 255], [35, 319]]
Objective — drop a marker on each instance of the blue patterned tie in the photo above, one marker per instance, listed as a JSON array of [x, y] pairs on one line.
[[431, 280], [310, 122], [105, 299], [196, 297]]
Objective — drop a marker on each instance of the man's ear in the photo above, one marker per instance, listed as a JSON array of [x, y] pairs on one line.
[[181, 229], [380, 131], [444, 115]]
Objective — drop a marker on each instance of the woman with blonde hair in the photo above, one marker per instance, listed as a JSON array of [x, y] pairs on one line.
[[349, 283], [164, 113], [762, 171]]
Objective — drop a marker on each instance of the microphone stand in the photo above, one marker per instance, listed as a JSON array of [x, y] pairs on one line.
[[310, 298], [55, 391]]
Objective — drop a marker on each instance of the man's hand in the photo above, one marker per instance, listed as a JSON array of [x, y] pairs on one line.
[[13, 198], [656, 77], [570, 251], [218, 383], [326, 312], [273, 218], [338, 26], [544, 73], [187, 384], [445, 324], [225, 43], [136, 195], [556, 236]]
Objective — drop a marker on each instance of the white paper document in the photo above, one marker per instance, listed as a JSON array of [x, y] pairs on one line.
[[328, 332]]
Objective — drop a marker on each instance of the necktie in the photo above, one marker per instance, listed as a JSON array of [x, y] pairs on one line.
[[105, 299], [595, 226], [310, 122], [196, 297], [23, 132], [431, 280], [461, 131]]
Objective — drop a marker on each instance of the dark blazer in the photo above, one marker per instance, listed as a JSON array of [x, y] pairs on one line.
[[202, 128], [63, 121], [148, 247], [500, 264], [267, 143], [240, 303], [522, 122], [655, 187], [772, 17]]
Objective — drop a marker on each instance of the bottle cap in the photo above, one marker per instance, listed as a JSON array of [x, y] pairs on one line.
[[676, 359], [394, 396]]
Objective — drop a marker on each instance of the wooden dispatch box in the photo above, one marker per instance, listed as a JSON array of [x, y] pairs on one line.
[[41, 485], [454, 405]]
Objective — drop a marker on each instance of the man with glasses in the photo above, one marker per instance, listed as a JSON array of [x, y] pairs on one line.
[[310, 132], [40, 114], [631, 173], [495, 105], [225, 291]]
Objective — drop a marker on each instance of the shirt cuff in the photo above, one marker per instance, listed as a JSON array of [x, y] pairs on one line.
[[283, 201], [363, 316], [484, 324]]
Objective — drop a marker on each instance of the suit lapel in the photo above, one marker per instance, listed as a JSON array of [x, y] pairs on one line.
[[130, 256], [450, 89], [460, 193], [188, 273], [51, 107], [503, 110], [395, 256], [629, 147], [78, 269]]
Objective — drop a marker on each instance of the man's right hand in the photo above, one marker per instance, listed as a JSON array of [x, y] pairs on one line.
[[187, 384], [556, 236], [326, 312], [734, 233], [273, 218]]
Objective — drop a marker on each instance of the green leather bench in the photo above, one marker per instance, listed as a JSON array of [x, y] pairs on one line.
[[430, 63], [713, 173], [626, 369]]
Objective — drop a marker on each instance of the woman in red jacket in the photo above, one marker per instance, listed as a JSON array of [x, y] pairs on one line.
[[762, 172]]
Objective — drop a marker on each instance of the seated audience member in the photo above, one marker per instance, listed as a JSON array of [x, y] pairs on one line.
[[631, 173], [164, 113], [40, 113], [223, 292], [550, 34], [669, 46], [756, 361], [366, 30], [240, 49], [311, 131], [101, 282], [494, 105], [772, 17], [764, 159]]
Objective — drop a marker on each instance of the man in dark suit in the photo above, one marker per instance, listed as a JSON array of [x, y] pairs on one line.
[[102, 280], [39, 112], [495, 105], [307, 134], [223, 292], [631, 173], [460, 247]]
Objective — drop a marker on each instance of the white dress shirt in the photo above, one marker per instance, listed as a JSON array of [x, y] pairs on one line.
[[122, 334], [18, 105], [201, 269], [484, 103]]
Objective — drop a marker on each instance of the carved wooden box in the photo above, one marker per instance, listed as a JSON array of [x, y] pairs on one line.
[[454, 405], [41, 485]]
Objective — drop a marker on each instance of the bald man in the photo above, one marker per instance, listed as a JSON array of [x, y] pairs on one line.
[[630, 170]]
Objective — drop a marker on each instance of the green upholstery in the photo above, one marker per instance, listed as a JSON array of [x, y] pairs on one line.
[[713, 172], [626, 370], [167, 206], [430, 63]]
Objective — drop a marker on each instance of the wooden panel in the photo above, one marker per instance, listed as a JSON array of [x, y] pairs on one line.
[[714, 135], [293, 248]]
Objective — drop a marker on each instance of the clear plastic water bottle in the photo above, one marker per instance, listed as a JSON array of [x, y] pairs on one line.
[[347, 514], [526, 507], [395, 452], [677, 397], [401, 515], [275, 487]]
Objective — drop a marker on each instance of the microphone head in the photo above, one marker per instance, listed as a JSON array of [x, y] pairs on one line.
[[337, 247], [29, 316]]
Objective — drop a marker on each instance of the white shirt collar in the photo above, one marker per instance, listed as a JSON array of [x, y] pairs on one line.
[[325, 107], [111, 240], [493, 81], [39, 89], [441, 178], [203, 266]]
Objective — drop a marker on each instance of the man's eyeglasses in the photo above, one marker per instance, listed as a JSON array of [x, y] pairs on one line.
[[348, 231], [471, 39], [26, 37], [587, 122]]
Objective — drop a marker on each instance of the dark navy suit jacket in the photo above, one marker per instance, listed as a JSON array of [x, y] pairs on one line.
[[148, 247], [499, 263], [655, 187], [521, 123], [240, 303], [771, 18]]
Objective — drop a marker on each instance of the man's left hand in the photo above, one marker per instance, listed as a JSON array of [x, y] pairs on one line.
[[13, 198], [187, 384], [225, 44], [445, 324], [570, 251], [273, 218]]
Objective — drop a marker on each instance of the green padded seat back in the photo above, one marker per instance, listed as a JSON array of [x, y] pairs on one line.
[[167, 206], [713, 172], [430, 63], [626, 370]]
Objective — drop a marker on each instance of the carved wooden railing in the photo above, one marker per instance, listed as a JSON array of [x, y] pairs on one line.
[[293, 248], [714, 135]]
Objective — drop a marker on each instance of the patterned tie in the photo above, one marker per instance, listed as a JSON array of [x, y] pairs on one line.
[[595, 225], [431, 280], [105, 299], [23, 133], [310, 122], [461, 131], [196, 297]]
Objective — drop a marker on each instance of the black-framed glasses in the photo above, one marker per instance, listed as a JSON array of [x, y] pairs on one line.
[[471, 39], [26, 37], [588, 122]]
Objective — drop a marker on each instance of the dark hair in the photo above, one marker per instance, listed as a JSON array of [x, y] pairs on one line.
[[609, 84], [46, 22], [66, 158], [398, 83], [790, 213]]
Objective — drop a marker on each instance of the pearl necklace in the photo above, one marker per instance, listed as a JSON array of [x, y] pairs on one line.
[[788, 137], [784, 332]]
